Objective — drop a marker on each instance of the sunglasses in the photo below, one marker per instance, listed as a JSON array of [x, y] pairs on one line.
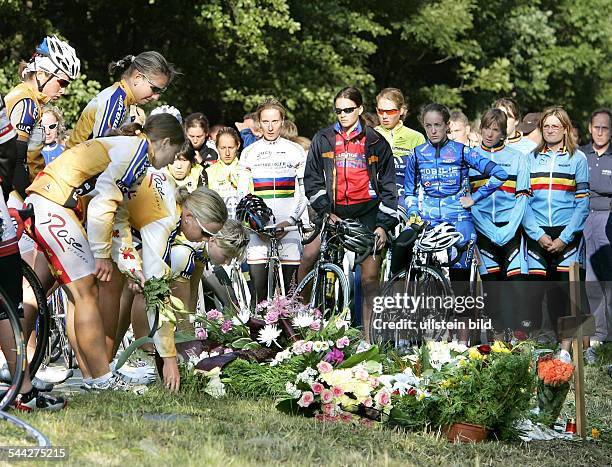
[[53, 126], [205, 232], [154, 89], [347, 110], [390, 112]]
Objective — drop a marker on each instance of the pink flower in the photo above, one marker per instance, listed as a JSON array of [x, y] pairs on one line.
[[324, 367], [329, 409], [332, 418], [319, 417], [327, 396], [317, 388], [227, 351], [226, 326], [213, 315], [306, 399], [362, 375], [315, 325], [317, 313], [368, 402], [346, 417], [374, 382], [366, 422], [337, 391], [272, 316], [201, 334], [342, 342], [383, 398], [307, 347], [334, 356]]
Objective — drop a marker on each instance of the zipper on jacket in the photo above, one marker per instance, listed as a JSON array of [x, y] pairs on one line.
[[495, 192], [552, 168]]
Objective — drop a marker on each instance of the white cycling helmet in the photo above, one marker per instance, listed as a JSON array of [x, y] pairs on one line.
[[168, 109], [440, 238], [61, 57]]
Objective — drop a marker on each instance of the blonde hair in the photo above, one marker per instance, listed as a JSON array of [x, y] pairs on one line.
[[57, 113], [568, 139], [397, 97], [204, 204], [232, 239]]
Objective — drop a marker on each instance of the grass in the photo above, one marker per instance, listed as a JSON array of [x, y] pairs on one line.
[[158, 428]]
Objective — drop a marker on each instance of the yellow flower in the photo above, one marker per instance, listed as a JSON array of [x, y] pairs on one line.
[[500, 347], [595, 433], [474, 354], [446, 383]]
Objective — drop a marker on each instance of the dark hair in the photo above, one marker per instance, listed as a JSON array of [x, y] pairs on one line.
[[226, 130], [187, 152], [510, 104], [435, 107], [492, 116], [270, 103], [351, 93], [156, 127], [150, 62], [601, 110], [197, 119]]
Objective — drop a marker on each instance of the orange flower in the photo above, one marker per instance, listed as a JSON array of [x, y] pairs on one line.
[[554, 372]]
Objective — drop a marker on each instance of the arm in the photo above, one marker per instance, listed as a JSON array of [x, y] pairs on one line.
[[387, 209], [581, 200], [301, 201], [8, 157], [23, 121], [128, 259], [247, 137], [314, 178], [521, 194], [84, 126], [412, 180], [497, 175]]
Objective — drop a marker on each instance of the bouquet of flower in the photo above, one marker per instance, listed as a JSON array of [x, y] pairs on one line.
[[351, 395], [226, 328], [553, 385]]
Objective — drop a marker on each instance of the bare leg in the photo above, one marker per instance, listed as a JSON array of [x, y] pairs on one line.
[[109, 301], [125, 315], [140, 322], [370, 269], [72, 338]]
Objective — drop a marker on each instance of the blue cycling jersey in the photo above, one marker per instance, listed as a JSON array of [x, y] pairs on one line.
[[442, 172], [507, 204], [560, 186]]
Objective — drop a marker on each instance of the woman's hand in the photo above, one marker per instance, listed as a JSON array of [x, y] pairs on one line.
[[545, 242], [172, 378], [381, 238], [104, 269], [466, 202], [557, 246], [282, 224], [137, 282]]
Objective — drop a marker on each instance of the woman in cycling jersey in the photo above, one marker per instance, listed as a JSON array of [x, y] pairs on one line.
[[498, 218], [144, 77], [392, 109], [555, 216], [52, 124], [273, 168], [350, 174], [114, 165], [196, 130], [223, 176], [440, 168], [514, 138]]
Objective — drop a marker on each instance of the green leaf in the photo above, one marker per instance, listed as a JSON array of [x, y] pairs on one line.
[[370, 354], [130, 350], [241, 343]]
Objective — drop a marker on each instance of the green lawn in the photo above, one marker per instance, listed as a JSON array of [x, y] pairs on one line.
[[123, 429]]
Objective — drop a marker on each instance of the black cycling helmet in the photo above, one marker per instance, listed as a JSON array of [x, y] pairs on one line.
[[254, 212], [356, 237]]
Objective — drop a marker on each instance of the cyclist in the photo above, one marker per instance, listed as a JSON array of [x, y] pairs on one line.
[[273, 168], [392, 109], [77, 259], [52, 124], [498, 218], [514, 138], [144, 78], [459, 128], [350, 174], [440, 168], [223, 176], [556, 214], [196, 130]]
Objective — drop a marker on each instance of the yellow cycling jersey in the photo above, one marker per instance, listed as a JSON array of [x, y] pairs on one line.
[[109, 109], [24, 109], [223, 178], [112, 165], [191, 181]]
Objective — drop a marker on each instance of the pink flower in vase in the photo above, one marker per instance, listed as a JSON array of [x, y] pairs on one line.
[[383, 398], [315, 325], [214, 315], [368, 402], [307, 347], [272, 317], [337, 391]]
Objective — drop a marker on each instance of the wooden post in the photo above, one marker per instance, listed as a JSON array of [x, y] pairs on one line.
[[575, 302]]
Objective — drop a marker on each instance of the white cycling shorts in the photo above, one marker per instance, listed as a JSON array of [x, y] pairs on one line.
[[290, 249], [61, 237]]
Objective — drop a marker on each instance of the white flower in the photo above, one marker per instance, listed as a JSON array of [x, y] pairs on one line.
[[362, 347], [340, 323], [269, 334], [307, 376], [280, 357], [241, 318], [302, 320], [318, 346], [324, 346], [292, 390], [215, 387]]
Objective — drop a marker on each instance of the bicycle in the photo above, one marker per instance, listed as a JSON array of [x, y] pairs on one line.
[[423, 289], [10, 392], [276, 280], [328, 284]]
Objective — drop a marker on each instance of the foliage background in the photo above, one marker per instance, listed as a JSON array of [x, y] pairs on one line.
[[463, 53]]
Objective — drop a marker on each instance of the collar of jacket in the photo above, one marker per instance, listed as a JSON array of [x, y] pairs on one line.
[[372, 136]]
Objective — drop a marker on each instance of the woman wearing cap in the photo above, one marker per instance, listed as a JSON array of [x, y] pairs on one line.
[[144, 77]]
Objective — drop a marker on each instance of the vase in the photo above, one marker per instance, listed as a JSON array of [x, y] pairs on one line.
[[465, 433], [550, 400]]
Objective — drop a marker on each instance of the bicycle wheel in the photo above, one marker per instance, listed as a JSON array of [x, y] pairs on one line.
[[240, 288], [14, 342], [43, 317], [420, 313], [329, 289], [59, 333]]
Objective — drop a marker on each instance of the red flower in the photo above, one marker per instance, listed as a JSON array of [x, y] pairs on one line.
[[484, 349], [412, 392], [520, 335]]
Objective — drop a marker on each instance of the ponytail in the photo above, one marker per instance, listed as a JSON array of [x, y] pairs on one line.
[[120, 65], [149, 63], [204, 204]]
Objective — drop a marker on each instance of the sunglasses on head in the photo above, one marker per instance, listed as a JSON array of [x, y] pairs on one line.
[[346, 110], [390, 112], [154, 89], [205, 232], [52, 126]]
